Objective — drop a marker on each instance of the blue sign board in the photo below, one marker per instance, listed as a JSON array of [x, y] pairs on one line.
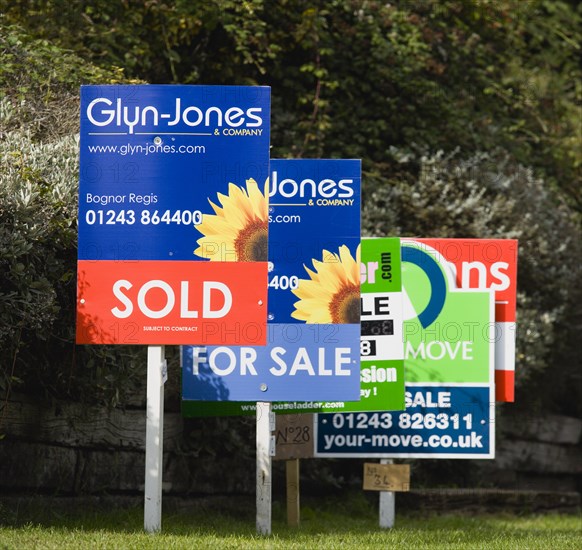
[[172, 184], [439, 422], [294, 361], [314, 211], [313, 348], [153, 156]]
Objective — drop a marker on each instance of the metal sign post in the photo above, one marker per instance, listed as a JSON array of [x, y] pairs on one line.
[[387, 507], [154, 439], [264, 468]]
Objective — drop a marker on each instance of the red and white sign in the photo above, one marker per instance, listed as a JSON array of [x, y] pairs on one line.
[[491, 264], [171, 302]]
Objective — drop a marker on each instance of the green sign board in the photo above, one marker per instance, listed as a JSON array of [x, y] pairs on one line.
[[456, 348], [381, 343], [449, 334]]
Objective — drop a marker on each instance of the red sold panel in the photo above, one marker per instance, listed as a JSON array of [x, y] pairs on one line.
[[490, 263], [171, 302]]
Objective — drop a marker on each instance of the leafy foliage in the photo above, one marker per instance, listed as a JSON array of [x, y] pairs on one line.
[[488, 195], [356, 77], [40, 81], [38, 232], [466, 115]]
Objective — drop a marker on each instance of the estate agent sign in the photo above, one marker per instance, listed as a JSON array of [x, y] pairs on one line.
[[449, 336], [173, 214], [313, 340], [489, 263]]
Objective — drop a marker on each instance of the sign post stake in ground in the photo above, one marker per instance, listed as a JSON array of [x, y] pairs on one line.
[[292, 479], [154, 439], [387, 504], [264, 468]]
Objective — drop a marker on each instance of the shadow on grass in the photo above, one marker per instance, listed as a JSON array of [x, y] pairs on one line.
[[211, 515], [346, 518]]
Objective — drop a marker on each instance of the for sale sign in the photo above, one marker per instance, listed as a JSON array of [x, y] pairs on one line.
[[173, 214], [449, 334], [381, 346], [313, 341], [381, 335]]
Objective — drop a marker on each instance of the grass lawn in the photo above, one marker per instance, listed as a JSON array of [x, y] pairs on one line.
[[325, 525]]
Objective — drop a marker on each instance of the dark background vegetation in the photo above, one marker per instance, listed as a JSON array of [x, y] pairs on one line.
[[465, 113]]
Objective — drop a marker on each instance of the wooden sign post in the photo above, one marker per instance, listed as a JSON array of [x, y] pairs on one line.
[[293, 441], [292, 479]]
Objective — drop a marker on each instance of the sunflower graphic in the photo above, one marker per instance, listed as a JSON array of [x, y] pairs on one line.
[[332, 294], [238, 229]]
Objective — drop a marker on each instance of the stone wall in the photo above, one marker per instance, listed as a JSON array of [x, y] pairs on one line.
[[537, 452], [69, 449]]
